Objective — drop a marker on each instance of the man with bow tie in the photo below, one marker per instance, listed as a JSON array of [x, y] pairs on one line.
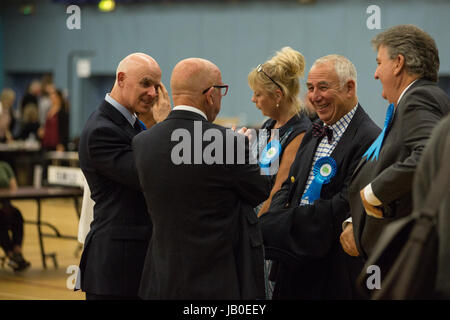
[[115, 246], [302, 227], [380, 190]]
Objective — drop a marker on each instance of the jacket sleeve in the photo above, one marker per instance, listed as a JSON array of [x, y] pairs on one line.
[[248, 180], [112, 156], [304, 232]]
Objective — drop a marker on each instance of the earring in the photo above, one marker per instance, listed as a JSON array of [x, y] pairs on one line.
[[278, 105]]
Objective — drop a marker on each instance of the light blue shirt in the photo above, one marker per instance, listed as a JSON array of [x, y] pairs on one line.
[[131, 118]]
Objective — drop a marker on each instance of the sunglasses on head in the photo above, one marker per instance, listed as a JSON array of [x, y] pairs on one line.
[[259, 69]]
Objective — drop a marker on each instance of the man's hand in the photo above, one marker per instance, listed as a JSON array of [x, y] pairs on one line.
[[246, 132], [162, 107], [348, 241], [370, 209]]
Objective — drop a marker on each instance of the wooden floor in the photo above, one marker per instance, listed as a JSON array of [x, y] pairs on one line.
[[38, 283]]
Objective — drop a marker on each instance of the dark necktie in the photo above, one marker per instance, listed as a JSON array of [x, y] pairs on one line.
[[321, 131], [137, 126]]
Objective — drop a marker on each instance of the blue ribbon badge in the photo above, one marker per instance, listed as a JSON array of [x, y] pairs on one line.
[[374, 149], [270, 153], [324, 169]]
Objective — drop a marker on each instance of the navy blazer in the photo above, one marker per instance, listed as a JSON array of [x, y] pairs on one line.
[[206, 239], [115, 247], [305, 239]]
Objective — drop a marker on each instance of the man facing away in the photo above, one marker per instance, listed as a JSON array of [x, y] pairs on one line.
[[206, 240]]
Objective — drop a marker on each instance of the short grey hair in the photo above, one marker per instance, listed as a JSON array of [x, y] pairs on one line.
[[344, 68], [415, 45]]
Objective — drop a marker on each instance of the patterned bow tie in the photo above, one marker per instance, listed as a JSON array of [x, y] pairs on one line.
[[321, 131]]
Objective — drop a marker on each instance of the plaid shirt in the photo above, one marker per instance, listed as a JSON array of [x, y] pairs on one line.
[[325, 149]]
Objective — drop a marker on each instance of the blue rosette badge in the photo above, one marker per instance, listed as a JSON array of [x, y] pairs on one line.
[[270, 153], [324, 170]]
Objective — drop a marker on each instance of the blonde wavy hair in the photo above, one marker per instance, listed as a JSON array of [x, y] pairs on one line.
[[285, 67]]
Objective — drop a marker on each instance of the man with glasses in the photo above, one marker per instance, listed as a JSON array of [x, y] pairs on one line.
[[206, 240]]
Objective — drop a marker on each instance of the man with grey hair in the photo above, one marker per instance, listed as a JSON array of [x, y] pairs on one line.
[[302, 227], [380, 191]]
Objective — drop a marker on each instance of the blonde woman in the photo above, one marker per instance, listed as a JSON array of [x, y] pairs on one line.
[[7, 120], [276, 87]]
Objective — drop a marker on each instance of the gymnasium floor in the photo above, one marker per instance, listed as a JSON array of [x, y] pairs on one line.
[[38, 283]]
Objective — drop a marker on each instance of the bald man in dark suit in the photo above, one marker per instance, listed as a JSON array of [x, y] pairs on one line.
[[114, 249], [206, 240]]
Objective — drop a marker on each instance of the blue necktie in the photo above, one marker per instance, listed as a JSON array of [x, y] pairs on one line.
[[139, 126], [374, 149]]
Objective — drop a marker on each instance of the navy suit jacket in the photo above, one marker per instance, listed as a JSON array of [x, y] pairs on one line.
[[206, 239], [115, 247], [305, 239]]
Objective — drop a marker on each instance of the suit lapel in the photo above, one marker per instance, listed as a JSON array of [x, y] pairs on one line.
[[115, 116], [339, 153], [419, 82], [362, 161], [302, 166]]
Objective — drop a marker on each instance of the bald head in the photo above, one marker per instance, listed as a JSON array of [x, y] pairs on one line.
[[192, 76], [138, 77], [134, 62]]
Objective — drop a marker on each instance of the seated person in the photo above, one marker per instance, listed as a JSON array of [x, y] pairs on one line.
[[11, 221]]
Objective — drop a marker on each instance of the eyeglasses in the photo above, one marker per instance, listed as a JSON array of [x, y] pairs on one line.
[[259, 69], [223, 89]]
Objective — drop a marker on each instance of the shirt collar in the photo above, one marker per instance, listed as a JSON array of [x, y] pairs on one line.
[[403, 92], [191, 109], [131, 118], [341, 125]]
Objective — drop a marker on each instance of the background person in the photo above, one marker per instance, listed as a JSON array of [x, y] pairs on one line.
[[7, 119], [32, 95], [11, 222], [55, 133], [29, 126]]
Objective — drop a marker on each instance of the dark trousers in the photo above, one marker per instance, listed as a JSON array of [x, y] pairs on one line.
[[10, 221], [91, 296]]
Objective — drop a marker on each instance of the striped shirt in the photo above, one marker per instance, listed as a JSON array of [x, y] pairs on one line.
[[325, 149]]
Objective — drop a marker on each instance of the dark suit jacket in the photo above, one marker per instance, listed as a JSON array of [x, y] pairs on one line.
[[202, 216], [435, 157], [418, 112], [305, 239], [115, 247]]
